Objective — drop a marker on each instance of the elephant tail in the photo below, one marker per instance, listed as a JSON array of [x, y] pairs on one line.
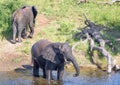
[[14, 16], [32, 55], [33, 58], [32, 61]]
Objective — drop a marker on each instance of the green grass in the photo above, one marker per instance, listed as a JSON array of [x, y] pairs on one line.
[[17, 60], [26, 48], [65, 17]]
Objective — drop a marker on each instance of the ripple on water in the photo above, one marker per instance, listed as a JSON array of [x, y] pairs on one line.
[[87, 77]]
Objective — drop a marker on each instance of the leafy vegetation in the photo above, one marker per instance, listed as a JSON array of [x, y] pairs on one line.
[[65, 17]]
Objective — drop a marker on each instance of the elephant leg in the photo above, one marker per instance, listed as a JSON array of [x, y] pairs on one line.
[[19, 34], [60, 72], [24, 33], [48, 74], [14, 33], [36, 69], [44, 73], [48, 68], [31, 26]]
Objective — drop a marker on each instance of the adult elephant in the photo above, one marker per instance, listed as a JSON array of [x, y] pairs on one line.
[[51, 56], [22, 18]]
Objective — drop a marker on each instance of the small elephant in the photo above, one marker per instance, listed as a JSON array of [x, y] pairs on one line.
[[22, 18], [52, 56]]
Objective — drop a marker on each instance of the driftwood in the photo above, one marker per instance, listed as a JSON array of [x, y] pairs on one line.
[[92, 33], [113, 1], [104, 53]]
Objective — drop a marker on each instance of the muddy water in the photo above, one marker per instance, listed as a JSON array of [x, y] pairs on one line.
[[87, 77]]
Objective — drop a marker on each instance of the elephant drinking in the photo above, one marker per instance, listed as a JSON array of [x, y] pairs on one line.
[[51, 56]]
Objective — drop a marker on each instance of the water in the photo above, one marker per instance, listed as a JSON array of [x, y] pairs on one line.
[[87, 77]]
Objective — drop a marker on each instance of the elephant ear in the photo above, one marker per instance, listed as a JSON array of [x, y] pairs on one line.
[[23, 7], [49, 54], [64, 47], [34, 10]]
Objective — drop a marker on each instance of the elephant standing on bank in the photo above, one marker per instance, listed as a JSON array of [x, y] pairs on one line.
[[51, 56], [21, 19]]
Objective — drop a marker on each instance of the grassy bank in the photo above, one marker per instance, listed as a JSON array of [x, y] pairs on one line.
[[65, 17]]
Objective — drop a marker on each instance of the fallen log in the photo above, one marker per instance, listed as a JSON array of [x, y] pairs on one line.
[[92, 34]]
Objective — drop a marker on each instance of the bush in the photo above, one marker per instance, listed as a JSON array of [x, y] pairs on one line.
[[65, 28]]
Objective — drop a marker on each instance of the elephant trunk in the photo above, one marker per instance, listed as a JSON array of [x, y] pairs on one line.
[[75, 64]]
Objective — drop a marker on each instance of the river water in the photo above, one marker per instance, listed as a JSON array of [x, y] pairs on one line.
[[87, 77]]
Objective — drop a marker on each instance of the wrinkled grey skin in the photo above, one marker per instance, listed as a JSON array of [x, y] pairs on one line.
[[51, 56], [22, 18]]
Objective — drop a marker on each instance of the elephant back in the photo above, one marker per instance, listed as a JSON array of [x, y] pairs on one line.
[[22, 14], [38, 47], [17, 15]]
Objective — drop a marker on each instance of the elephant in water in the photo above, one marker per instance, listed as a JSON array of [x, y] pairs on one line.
[[22, 18], [52, 56]]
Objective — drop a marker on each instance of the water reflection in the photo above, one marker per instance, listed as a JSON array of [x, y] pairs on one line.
[[87, 77], [38, 81]]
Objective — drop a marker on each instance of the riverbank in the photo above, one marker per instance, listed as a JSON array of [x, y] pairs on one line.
[[57, 21]]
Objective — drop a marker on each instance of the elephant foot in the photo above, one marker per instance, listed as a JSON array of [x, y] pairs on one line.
[[24, 37], [19, 41], [44, 76], [75, 75], [36, 75], [13, 42], [30, 36]]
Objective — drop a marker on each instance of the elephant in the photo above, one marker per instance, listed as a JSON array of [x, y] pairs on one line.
[[51, 56], [21, 19]]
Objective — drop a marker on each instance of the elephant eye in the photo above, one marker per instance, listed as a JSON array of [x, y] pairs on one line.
[[63, 52], [69, 50]]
